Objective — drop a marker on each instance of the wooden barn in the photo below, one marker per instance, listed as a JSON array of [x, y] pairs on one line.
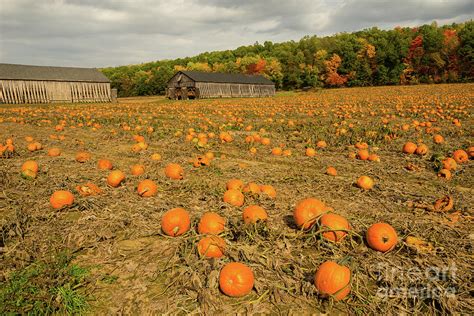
[[195, 85], [40, 84]]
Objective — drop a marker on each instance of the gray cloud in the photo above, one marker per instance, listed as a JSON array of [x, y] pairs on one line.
[[116, 32]]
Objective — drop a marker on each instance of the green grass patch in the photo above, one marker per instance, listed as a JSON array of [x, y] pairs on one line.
[[45, 287]]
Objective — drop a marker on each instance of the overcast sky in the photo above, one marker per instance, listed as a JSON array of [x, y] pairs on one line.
[[98, 33]]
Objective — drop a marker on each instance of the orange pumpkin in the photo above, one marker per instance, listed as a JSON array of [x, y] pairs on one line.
[[460, 156], [277, 151], [236, 279], [54, 152], [449, 164], [88, 189], [310, 152], [104, 164], [365, 182], [336, 225], [333, 280], [137, 170], [234, 197], [331, 171], [268, 190], [445, 173], [115, 178], [175, 222], [211, 223], [83, 156], [254, 213], [409, 148], [147, 188], [321, 144], [60, 199], [234, 184], [438, 139], [421, 150], [363, 154], [307, 211], [174, 171], [252, 187], [30, 165], [211, 247], [381, 237]]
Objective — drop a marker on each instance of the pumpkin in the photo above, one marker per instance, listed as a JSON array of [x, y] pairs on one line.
[[310, 152], [460, 156], [115, 178], [268, 190], [137, 170], [381, 237], [236, 279], [374, 157], [234, 197], [104, 164], [333, 280], [365, 182], [252, 187], [277, 151], [175, 222], [363, 154], [83, 156], [60, 199], [174, 171], [147, 188], [156, 157], [449, 164], [321, 144], [421, 150], [211, 223], [30, 165], [211, 247], [234, 184], [265, 141], [54, 152], [438, 139], [331, 171], [336, 225], [470, 151], [445, 173], [307, 211], [254, 213], [409, 148]]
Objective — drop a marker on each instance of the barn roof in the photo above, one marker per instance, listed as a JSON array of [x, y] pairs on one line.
[[220, 77], [47, 73]]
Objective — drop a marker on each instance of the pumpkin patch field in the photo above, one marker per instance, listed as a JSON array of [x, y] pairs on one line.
[[356, 200]]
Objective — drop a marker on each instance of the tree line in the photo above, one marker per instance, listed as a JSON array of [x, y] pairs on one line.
[[424, 54]]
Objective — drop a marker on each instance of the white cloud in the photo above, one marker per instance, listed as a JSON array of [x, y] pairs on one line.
[[116, 32]]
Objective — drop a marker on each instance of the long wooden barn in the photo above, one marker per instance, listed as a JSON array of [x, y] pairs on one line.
[[41, 84], [195, 84]]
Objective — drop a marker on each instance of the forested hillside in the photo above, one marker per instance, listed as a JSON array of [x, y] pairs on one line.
[[425, 54]]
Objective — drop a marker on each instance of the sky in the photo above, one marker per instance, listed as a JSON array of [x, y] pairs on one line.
[[100, 33]]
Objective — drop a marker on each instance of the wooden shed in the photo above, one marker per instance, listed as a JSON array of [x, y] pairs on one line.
[[196, 84], [42, 84]]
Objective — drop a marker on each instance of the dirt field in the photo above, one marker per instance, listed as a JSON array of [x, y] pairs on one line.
[[106, 254]]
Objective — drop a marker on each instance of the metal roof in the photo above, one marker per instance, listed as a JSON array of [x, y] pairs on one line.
[[47, 73], [220, 77]]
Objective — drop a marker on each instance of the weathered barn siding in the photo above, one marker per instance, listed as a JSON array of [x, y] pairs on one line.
[[38, 84], [190, 84]]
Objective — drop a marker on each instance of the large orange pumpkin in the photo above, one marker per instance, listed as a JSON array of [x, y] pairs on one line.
[[104, 164], [115, 178], [381, 237], [234, 197], [147, 188], [236, 279], [409, 148], [30, 165], [59, 199], [268, 190], [211, 247], [336, 225], [253, 214], [365, 182], [175, 222], [174, 171], [334, 280], [211, 223], [307, 211], [236, 184], [460, 156]]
